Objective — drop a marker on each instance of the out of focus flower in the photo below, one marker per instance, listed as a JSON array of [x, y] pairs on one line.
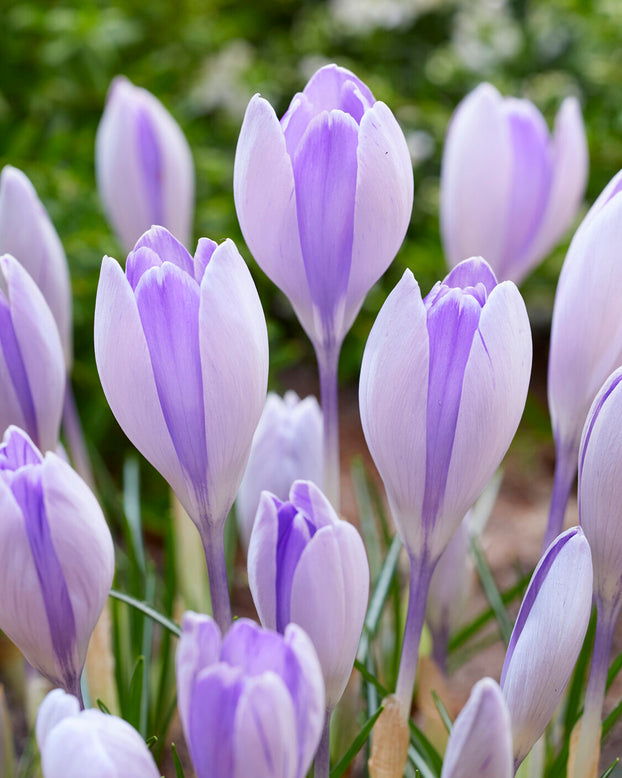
[[27, 233], [56, 560], [480, 743], [251, 702], [308, 567], [509, 190], [287, 446], [143, 163], [32, 366], [547, 638], [89, 743]]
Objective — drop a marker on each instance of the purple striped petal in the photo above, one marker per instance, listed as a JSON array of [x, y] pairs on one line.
[[335, 87], [138, 262], [295, 531], [167, 247], [310, 499], [151, 163]]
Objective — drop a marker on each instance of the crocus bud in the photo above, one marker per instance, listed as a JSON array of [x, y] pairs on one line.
[[308, 567], [32, 366], [442, 389], [251, 703], [480, 743], [182, 351], [89, 743], [509, 190], [547, 638], [324, 197], [287, 446], [143, 164], [56, 560], [27, 233]]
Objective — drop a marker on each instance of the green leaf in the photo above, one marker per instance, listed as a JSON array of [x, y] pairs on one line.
[[421, 766], [370, 678], [425, 749], [358, 743], [442, 711], [179, 770], [573, 696], [131, 509], [611, 720], [102, 706], [614, 669], [136, 693], [151, 741], [148, 610], [490, 590], [610, 769], [369, 528]]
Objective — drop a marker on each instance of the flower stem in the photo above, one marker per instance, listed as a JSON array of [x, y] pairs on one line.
[[75, 437], [328, 361], [214, 546], [321, 765], [565, 471]]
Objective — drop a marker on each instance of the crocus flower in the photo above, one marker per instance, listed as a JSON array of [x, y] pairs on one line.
[[586, 335], [509, 190], [480, 743], [56, 560], [27, 233], [307, 566], [143, 163], [32, 366], [89, 743], [547, 638], [324, 198], [182, 351], [287, 446], [251, 703]]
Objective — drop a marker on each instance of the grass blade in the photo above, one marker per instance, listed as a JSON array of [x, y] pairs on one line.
[[358, 743], [143, 607], [179, 770], [490, 590], [425, 749], [442, 712], [610, 769]]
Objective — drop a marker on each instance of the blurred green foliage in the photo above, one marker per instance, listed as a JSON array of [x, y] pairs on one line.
[[205, 58]]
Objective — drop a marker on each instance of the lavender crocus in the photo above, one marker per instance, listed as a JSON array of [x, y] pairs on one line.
[[251, 702], [182, 352], [89, 743], [509, 190], [56, 560], [324, 198], [480, 743], [547, 638], [32, 366], [586, 336], [600, 497], [287, 446], [143, 163]]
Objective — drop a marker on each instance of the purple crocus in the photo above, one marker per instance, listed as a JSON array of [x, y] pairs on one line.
[[143, 163], [88, 743], [56, 560], [182, 351], [32, 366], [287, 446], [586, 335], [251, 702], [547, 638], [442, 389], [480, 743], [27, 233], [528, 184], [324, 198]]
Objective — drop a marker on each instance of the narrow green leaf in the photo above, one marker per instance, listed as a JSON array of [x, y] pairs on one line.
[[369, 527], [358, 743], [179, 770], [148, 610], [421, 766], [614, 669], [370, 678], [490, 590], [151, 741], [102, 706], [425, 749], [442, 712], [611, 720], [131, 508], [147, 637], [610, 769], [136, 692], [575, 688]]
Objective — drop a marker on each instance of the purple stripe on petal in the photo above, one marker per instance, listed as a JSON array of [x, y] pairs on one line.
[[471, 273], [138, 262], [168, 305], [167, 247], [28, 492], [295, 531], [452, 324], [325, 171], [151, 164], [17, 369], [603, 396], [18, 450], [295, 122], [537, 580], [202, 256], [334, 87]]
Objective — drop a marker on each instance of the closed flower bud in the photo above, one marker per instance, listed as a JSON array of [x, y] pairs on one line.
[[56, 560], [547, 638], [251, 702], [308, 567], [480, 743], [32, 366], [287, 446], [27, 233], [509, 190], [89, 743], [143, 163]]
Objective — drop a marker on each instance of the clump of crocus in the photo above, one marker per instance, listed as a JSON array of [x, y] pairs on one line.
[[287, 446], [88, 743], [32, 374], [324, 198], [442, 389], [143, 163], [547, 638], [182, 352], [509, 190], [586, 336], [480, 743], [251, 702], [56, 560]]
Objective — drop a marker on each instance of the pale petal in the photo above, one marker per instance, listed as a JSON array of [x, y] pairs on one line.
[[56, 706], [262, 560]]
